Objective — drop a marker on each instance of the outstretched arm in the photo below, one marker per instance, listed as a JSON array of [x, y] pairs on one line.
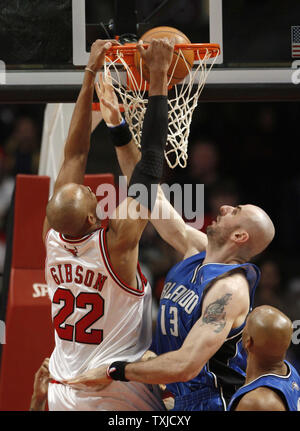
[[127, 152], [78, 141], [184, 238], [225, 306], [221, 308]]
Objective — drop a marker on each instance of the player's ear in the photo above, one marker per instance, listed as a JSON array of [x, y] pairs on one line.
[[248, 344], [240, 236], [91, 219]]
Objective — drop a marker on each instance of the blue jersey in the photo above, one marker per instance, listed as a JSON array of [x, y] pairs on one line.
[[181, 306], [287, 387]]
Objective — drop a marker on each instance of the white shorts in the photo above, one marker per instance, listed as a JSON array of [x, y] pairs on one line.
[[117, 396]]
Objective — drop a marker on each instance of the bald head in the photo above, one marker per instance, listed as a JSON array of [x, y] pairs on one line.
[[267, 334], [72, 210], [245, 230], [260, 228]]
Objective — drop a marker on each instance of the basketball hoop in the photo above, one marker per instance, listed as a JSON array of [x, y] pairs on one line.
[[132, 89]]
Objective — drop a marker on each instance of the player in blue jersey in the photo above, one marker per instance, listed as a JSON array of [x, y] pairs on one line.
[[204, 303], [272, 383]]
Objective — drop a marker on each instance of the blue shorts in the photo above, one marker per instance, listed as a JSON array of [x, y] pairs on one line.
[[205, 399]]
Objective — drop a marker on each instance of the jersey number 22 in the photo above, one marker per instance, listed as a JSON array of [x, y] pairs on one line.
[[78, 332]]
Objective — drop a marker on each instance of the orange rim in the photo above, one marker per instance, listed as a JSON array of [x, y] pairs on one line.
[[96, 107], [128, 50]]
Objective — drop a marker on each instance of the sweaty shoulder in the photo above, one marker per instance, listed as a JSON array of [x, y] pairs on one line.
[[261, 399]]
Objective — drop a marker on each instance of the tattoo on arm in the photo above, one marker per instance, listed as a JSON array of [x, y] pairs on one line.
[[214, 313]]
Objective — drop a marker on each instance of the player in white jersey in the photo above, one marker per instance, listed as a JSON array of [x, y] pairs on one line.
[[101, 303]]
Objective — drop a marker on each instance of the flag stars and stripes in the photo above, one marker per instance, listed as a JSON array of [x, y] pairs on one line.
[[296, 41]]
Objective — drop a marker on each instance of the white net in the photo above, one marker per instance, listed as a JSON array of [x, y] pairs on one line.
[[182, 101], [57, 119]]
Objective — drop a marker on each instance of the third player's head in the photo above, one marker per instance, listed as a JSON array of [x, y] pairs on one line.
[[72, 210], [267, 335], [242, 231]]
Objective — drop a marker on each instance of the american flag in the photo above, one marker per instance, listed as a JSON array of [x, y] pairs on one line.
[[296, 41]]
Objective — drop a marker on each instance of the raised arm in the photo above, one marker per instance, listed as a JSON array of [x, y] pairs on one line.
[[129, 220], [78, 141], [182, 237]]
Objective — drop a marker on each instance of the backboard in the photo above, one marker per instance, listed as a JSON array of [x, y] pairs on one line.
[[45, 46]]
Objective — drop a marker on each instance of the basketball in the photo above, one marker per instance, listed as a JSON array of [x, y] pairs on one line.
[[180, 66]]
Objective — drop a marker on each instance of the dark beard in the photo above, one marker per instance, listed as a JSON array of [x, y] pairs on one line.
[[216, 236], [209, 230]]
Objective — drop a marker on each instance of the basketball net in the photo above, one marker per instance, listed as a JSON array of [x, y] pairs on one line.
[[133, 93]]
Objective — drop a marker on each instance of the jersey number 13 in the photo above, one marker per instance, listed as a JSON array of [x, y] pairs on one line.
[[172, 320]]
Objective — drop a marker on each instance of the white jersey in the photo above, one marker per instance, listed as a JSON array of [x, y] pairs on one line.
[[98, 319]]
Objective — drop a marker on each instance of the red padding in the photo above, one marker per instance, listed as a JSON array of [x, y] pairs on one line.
[[29, 337], [31, 198]]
